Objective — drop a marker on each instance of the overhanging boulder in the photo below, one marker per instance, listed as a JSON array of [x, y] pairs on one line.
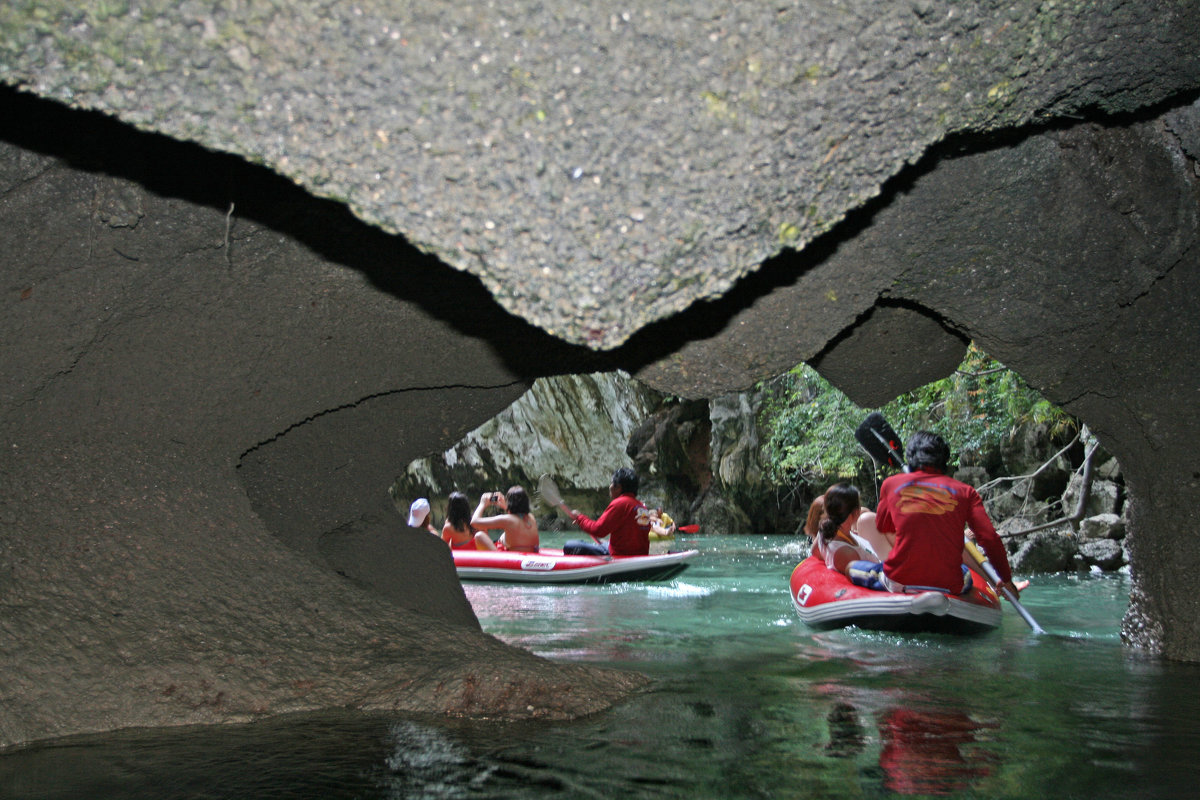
[[599, 169]]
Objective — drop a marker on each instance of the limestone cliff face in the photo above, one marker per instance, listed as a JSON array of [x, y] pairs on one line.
[[737, 457], [705, 460], [574, 427], [700, 460]]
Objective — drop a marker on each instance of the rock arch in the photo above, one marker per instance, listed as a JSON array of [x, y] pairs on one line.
[[204, 361]]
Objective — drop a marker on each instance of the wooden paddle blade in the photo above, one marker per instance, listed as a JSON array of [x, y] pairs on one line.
[[548, 489], [880, 441]]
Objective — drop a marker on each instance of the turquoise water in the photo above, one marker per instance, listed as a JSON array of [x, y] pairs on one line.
[[745, 703]]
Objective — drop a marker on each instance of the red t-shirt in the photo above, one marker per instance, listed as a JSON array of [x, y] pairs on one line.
[[626, 521], [929, 511]]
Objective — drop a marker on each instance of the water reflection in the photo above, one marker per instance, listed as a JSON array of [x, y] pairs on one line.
[[847, 737], [424, 762], [928, 752], [745, 703], [919, 747], [319, 755]]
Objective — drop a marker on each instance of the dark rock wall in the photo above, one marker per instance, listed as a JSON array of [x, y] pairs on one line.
[[570, 154], [202, 413]]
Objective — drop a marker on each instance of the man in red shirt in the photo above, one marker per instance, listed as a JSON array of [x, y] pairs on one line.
[[928, 511], [626, 522]]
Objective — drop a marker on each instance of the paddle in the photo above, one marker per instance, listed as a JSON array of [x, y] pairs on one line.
[[882, 443], [994, 578], [548, 490], [688, 528]]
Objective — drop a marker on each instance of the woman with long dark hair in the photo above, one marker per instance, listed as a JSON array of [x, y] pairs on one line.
[[457, 531], [520, 528], [835, 541]]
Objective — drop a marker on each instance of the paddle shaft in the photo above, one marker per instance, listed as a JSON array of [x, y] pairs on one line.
[[990, 572], [571, 514], [888, 446], [567, 510], [549, 490]]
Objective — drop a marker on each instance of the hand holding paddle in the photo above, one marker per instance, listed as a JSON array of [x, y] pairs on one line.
[[994, 578], [548, 489]]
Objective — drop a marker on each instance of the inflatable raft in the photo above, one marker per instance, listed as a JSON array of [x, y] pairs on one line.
[[826, 599], [552, 566]]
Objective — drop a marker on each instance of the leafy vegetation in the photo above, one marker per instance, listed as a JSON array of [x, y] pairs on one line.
[[811, 424]]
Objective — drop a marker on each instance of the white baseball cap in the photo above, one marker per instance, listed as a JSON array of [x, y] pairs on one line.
[[417, 512]]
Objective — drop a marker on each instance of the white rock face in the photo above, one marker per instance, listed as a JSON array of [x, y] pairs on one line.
[[736, 441], [574, 427]]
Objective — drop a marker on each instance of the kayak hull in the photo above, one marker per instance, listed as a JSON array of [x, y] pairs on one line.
[[826, 599], [552, 566]]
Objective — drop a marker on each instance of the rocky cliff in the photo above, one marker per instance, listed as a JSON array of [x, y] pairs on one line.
[[699, 459], [575, 428]]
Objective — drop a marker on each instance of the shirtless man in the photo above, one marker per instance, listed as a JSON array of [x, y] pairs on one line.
[[520, 528]]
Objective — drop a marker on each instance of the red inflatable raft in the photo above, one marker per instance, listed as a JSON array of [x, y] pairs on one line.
[[826, 599], [551, 566]]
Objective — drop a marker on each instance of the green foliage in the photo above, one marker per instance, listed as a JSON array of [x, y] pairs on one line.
[[811, 429], [811, 424]]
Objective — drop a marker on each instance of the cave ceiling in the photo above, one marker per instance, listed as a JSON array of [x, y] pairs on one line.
[[598, 167]]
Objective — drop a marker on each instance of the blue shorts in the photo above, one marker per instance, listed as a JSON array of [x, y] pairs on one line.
[[579, 547], [869, 574]]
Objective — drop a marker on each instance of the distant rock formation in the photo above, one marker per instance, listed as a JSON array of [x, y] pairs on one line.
[[574, 427], [701, 460], [258, 255]]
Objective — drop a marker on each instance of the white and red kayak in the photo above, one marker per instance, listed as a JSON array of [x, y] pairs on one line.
[[826, 599], [552, 566]]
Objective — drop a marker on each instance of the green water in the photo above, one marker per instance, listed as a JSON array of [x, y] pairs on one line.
[[745, 703]]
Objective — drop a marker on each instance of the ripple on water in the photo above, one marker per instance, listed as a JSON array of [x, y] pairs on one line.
[[679, 590], [746, 702]]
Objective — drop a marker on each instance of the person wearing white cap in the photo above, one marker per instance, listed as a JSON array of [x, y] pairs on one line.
[[420, 516]]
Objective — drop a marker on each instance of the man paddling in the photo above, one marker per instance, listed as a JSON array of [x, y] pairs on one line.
[[928, 510], [626, 522]]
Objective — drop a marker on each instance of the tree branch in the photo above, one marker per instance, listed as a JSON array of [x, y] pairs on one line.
[[1085, 493], [981, 373], [1045, 465]]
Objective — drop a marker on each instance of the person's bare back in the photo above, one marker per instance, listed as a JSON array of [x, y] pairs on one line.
[[520, 528]]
